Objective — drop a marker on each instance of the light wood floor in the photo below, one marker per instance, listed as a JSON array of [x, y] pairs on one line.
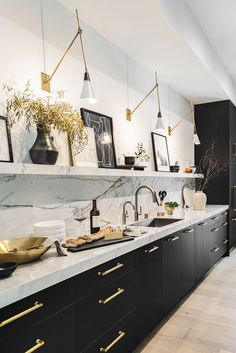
[[206, 321]]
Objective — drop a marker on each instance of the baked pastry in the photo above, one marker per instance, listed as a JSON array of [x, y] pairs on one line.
[[74, 243]]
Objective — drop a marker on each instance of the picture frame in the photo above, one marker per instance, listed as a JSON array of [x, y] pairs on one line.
[[6, 153], [87, 157], [160, 152], [103, 132]]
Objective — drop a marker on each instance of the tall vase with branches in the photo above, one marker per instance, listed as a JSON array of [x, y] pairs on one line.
[[211, 168]]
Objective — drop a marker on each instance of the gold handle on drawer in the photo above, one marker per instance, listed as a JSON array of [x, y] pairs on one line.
[[215, 249], [187, 231], [214, 218], [215, 230], [152, 250], [203, 224], [225, 224], [113, 296], [111, 270], [121, 335], [225, 241], [173, 239], [39, 344], [234, 219], [36, 306], [225, 213]]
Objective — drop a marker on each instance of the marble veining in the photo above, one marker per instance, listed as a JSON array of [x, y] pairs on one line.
[[52, 269]]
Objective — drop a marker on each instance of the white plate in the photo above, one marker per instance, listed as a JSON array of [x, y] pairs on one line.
[[50, 225]]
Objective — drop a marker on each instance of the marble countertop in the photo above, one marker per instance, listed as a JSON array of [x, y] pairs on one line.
[[52, 269]]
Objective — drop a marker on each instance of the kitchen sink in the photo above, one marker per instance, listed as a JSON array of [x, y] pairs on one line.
[[156, 222]]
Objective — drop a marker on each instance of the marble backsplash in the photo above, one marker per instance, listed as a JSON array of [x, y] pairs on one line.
[[28, 199]]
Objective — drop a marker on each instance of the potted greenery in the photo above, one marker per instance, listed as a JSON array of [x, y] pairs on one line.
[[170, 206], [45, 113], [141, 154]]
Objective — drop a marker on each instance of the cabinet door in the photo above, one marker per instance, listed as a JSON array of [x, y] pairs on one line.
[[201, 249], [149, 288], [187, 260], [171, 271]]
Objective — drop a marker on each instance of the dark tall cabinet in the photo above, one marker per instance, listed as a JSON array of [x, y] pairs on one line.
[[217, 121]]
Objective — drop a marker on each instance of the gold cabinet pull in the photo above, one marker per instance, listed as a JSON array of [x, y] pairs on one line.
[[225, 241], [173, 239], [155, 248], [187, 231], [121, 335], [113, 296], [36, 306], [215, 249], [234, 219], [214, 218], [111, 270], [39, 344], [225, 224], [225, 213], [215, 229], [202, 224]]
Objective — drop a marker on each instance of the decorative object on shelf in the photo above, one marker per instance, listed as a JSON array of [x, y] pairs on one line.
[[196, 140], [160, 151], [170, 207], [132, 167], [46, 113], [130, 112], [141, 153], [211, 168], [87, 90], [103, 131], [175, 168], [129, 160], [159, 122], [87, 157], [188, 170], [6, 154]]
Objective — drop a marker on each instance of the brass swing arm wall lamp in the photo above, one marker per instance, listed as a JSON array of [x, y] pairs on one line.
[[87, 91], [171, 129]]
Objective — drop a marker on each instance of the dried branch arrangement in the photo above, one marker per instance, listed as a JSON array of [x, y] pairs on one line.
[[210, 167], [47, 113]]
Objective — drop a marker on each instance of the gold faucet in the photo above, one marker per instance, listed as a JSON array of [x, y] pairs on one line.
[[154, 199], [125, 213]]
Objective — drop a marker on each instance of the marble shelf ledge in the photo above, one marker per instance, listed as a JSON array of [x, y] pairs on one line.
[[37, 169]]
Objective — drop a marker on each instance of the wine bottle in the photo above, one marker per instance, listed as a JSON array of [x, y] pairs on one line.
[[94, 218]]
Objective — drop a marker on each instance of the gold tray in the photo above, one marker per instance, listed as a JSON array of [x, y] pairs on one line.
[[23, 250]]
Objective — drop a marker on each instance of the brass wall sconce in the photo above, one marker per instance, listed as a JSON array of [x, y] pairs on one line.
[[87, 91], [130, 112], [196, 140]]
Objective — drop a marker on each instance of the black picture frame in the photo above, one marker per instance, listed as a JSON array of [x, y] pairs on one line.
[[101, 123], [6, 153], [160, 152]]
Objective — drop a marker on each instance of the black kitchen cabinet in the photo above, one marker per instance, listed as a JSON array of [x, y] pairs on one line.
[[201, 249], [217, 121], [171, 263], [149, 288], [187, 260]]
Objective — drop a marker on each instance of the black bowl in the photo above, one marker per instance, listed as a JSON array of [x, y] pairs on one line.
[[174, 168], [6, 269], [129, 160]]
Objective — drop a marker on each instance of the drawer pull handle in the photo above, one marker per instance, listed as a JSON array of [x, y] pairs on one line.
[[39, 344], [234, 219], [214, 218], [187, 231], [225, 224], [203, 224], [215, 249], [225, 241], [111, 270], [225, 214], [152, 250], [215, 230], [173, 239], [112, 344], [105, 301], [23, 313]]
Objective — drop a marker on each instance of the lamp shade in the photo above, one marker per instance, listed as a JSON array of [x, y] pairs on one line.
[[196, 140], [159, 122], [87, 90]]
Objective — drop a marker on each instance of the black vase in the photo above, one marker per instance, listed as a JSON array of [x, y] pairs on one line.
[[43, 150]]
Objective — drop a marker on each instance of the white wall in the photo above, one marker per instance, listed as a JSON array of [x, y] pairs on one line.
[[22, 59]]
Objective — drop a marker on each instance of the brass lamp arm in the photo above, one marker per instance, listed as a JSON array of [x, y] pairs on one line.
[[170, 129], [129, 112]]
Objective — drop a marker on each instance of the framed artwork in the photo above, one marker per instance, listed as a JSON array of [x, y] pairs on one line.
[[103, 133], [88, 157], [160, 152], [6, 154]]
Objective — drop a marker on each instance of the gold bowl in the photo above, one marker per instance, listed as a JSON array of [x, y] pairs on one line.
[[23, 250]]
